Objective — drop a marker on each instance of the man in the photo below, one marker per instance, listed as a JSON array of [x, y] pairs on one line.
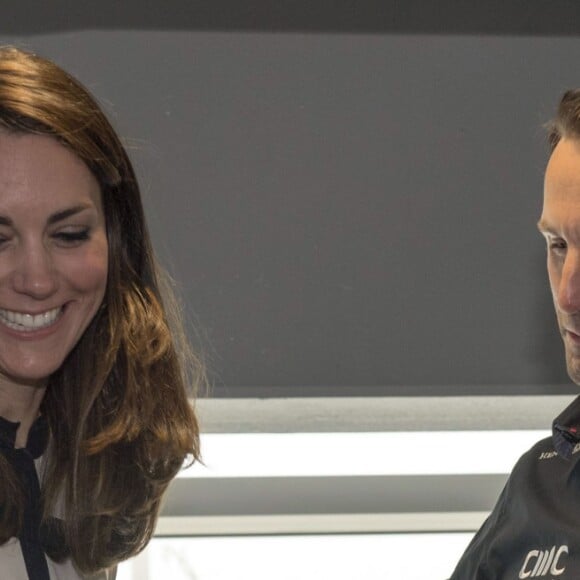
[[534, 530]]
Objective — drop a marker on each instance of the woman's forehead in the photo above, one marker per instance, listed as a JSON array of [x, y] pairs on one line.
[[38, 169]]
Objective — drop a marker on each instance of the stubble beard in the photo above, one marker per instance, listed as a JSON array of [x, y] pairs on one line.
[[573, 367]]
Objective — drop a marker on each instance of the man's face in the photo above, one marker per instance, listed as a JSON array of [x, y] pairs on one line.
[[560, 225]]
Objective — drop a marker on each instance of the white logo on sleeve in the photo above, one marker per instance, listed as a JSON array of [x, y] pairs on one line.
[[539, 563], [548, 455]]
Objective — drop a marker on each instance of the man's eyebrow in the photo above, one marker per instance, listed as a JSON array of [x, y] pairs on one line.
[[544, 228]]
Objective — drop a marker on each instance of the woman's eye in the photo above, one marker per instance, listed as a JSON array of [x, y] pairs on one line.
[[72, 238], [5, 237]]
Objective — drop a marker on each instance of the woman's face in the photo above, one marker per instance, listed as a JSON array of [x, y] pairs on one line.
[[53, 255]]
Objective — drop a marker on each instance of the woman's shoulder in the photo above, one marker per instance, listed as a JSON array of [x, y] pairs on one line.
[[66, 571], [13, 566]]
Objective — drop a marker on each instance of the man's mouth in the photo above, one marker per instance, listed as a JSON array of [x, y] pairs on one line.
[[29, 322]]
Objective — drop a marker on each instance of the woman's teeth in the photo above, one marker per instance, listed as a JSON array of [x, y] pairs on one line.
[[28, 322]]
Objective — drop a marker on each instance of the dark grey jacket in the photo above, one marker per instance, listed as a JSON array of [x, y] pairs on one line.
[[534, 529]]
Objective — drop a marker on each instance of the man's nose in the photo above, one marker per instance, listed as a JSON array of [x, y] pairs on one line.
[[34, 272], [569, 288]]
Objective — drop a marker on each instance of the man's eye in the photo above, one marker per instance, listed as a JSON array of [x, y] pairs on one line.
[[557, 246]]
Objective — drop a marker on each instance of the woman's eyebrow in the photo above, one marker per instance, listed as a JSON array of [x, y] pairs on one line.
[[54, 218], [65, 213]]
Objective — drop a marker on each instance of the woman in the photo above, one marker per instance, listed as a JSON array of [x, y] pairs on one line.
[[94, 416]]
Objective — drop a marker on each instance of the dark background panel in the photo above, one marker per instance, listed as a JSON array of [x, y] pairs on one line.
[[345, 213], [494, 17]]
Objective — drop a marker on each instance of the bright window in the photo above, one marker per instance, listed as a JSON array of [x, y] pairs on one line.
[[340, 557]]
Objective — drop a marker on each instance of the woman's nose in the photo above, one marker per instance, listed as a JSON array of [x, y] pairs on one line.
[[34, 272]]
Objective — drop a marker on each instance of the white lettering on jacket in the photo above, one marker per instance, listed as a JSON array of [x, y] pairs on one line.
[[539, 563], [548, 455]]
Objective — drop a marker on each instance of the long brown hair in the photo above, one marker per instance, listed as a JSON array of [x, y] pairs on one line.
[[120, 421]]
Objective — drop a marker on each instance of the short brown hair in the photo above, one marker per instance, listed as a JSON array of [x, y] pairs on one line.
[[567, 121]]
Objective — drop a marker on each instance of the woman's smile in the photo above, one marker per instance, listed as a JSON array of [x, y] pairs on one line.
[[26, 322]]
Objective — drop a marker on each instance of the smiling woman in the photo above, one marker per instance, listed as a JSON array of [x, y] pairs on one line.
[[53, 257], [94, 371]]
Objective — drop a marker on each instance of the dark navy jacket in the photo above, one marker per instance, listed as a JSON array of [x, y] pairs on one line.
[[534, 529]]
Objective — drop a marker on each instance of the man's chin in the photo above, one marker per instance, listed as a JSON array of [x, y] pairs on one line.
[[573, 366]]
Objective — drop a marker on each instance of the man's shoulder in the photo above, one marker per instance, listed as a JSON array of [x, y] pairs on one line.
[[541, 461], [541, 450], [534, 519]]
